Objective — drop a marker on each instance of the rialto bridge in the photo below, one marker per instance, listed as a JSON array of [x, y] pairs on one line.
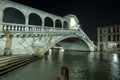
[[26, 30]]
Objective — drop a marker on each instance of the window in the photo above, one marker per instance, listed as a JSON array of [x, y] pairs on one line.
[[113, 30], [114, 37], [109, 37], [100, 38], [101, 45], [118, 37], [109, 30], [117, 29]]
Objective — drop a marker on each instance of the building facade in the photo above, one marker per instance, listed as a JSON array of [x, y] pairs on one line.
[[109, 38]]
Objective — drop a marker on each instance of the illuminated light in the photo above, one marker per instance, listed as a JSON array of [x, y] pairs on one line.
[[112, 45], [62, 49], [115, 58], [50, 51], [73, 23]]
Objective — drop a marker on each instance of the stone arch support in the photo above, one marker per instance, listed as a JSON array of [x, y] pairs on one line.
[[80, 44]]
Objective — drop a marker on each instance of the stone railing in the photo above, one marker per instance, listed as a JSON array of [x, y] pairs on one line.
[[19, 27], [22, 29]]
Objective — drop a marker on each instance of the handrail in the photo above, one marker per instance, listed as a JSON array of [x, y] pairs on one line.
[[22, 27], [11, 28]]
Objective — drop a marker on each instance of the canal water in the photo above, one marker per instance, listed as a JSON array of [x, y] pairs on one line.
[[81, 65]]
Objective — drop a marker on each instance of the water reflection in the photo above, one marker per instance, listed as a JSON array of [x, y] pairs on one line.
[[90, 65], [115, 58], [115, 66]]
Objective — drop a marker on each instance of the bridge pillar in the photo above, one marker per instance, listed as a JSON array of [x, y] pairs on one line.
[[62, 25], [7, 50], [43, 22], [26, 19], [1, 15], [54, 24]]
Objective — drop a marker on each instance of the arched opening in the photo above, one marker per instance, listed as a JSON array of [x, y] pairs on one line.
[[35, 19], [12, 15], [58, 23], [65, 24], [74, 43], [48, 22]]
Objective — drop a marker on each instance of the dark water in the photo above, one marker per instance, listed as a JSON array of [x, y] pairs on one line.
[[82, 66]]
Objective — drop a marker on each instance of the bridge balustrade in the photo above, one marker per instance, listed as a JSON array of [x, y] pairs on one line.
[[20, 28]]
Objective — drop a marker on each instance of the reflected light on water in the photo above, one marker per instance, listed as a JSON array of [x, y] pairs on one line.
[[50, 51], [82, 66], [115, 58], [115, 66]]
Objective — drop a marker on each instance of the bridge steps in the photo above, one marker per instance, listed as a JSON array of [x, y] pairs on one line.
[[11, 63]]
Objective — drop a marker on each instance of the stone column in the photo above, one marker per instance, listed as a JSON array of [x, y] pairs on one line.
[[1, 18], [43, 23], [26, 19], [54, 24], [7, 50]]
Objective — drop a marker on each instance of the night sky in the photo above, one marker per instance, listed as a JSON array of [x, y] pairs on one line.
[[91, 13]]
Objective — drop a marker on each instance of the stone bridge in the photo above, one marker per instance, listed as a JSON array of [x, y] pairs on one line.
[[25, 30]]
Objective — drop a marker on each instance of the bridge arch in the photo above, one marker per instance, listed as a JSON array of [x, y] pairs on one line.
[[13, 15], [35, 19], [73, 43], [48, 22], [65, 24], [58, 23]]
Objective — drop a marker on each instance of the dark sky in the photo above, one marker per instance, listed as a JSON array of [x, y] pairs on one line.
[[91, 13]]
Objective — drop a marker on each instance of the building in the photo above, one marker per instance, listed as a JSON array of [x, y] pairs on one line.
[[109, 38]]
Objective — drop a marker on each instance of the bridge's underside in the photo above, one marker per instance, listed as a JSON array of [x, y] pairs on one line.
[[70, 43], [74, 44]]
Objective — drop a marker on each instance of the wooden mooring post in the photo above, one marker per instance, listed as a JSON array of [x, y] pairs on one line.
[[64, 74]]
